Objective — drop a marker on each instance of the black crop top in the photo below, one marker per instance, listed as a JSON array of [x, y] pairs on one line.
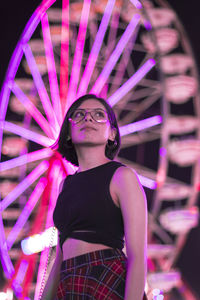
[[85, 209]]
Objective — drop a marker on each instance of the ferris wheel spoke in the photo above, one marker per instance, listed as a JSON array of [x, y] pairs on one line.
[[51, 68], [137, 3], [32, 109], [27, 134], [140, 125], [64, 55], [25, 213], [95, 49], [124, 63], [75, 71], [41, 88], [24, 184], [134, 112], [112, 33], [130, 83], [99, 83], [25, 159], [5, 258]]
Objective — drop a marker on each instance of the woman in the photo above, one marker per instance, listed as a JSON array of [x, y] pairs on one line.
[[98, 205]]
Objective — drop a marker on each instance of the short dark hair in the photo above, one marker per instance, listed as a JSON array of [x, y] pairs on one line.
[[66, 148]]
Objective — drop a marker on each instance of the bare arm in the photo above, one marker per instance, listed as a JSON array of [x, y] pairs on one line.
[[50, 289], [132, 201]]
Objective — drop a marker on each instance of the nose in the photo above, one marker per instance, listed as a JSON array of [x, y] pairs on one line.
[[88, 116]]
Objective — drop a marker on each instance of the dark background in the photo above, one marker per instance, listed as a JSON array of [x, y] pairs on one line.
[[13, 18]]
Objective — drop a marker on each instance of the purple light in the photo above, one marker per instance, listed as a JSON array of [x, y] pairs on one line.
[[95, 48], [140, 125], [129, 84], [123, 63], [115, 55], [55, 96], [23, 185], [75, 72], [136, 3], [24, 159], [27, 210], [162, 151], [40, 87], [31, 108], [5, 258], [20, 277], [147, 25], [27, 134]]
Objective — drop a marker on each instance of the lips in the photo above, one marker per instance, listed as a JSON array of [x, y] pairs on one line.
[[87, 128]]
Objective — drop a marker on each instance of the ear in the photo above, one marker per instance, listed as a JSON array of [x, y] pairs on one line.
[[112, 135]]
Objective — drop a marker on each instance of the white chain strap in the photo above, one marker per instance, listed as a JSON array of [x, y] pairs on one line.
[[47, 263]]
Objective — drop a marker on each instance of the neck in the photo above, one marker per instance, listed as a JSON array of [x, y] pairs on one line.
[[90, 157]]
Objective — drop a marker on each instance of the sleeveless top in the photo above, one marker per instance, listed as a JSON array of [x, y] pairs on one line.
[[85, 209]]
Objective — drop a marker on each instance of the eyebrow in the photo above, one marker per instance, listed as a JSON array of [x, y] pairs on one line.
[[90, 108]]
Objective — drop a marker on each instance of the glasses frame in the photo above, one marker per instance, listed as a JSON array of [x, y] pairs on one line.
[[86, 111]]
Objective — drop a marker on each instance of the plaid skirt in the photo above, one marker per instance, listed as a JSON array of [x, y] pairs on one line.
[[96, 275]]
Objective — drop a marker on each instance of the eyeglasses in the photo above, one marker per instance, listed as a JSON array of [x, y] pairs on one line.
[[98, 115]]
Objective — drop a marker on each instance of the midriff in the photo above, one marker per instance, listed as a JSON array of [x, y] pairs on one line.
[[73, 247]]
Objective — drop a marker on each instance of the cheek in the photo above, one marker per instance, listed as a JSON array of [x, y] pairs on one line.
[[73, 131], [106, 132]]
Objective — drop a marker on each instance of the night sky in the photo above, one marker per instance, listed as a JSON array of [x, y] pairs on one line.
[[14, 16]]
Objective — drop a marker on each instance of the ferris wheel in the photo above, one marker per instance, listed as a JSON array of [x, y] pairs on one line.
[[137, 56]]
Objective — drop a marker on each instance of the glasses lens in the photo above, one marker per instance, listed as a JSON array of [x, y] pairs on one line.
[[99, 115], [78, 115]]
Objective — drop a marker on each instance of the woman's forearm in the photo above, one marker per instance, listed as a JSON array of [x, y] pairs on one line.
[[135, 280]]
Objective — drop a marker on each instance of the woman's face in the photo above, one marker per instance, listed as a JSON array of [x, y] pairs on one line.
[[88, 132]]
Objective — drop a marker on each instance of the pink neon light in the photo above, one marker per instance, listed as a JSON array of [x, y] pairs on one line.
[[27, 210], [40, 87], [5, 258], [140, 125], [129, 84], [75, 72], [55, 96], [136, 3], [115, 55], [42, 266], [95, 49], [23, 185], [64, 54], [27, 134], [24, 159], [31, 108]]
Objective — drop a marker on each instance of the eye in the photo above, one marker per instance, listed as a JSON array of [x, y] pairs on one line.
[[78, 114], [100, 113]]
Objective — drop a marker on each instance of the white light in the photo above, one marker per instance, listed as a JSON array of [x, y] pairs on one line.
[[38, 242], [156, 292], [6, 296]]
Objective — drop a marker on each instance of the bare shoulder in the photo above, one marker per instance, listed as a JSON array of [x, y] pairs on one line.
[[126, 186], [125, 175]]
